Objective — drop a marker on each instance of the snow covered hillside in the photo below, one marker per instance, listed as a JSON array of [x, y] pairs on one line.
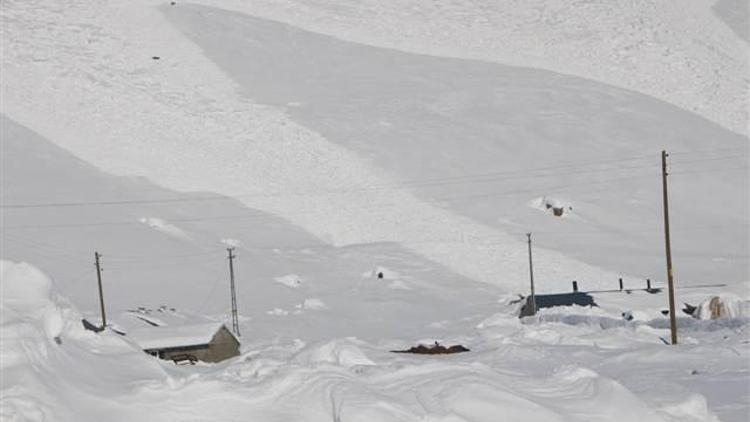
[[376, 166], [693, 54]]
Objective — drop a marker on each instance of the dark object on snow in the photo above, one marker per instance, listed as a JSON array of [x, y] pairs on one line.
[[184, 359], [553, 300], [627, 316], [435, 349], [557, 211], [156, 57], [665, 312], [689, 309], [91, 327], [650, 289], [380, 275], [172, 3], [147, 321]]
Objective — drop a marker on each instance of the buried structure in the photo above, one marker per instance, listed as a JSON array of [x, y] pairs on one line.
[[554, 300], [188, 343]]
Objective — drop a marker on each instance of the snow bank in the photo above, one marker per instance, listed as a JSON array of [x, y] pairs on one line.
[[50, 364], [31, 331], [26, 298], [692, 409]]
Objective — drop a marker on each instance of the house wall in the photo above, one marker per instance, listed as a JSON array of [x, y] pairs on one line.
[[222, 346]]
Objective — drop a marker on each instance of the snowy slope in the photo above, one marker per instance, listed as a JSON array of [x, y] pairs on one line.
[[211, 138], [485, 140], [206, 142], [338, 293], [159, 135], [688, 54]]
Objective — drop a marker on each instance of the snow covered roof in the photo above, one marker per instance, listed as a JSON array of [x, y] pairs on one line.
[[174, 336]]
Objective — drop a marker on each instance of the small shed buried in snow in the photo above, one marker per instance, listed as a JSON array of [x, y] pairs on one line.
[[553, 300], [204, 342]]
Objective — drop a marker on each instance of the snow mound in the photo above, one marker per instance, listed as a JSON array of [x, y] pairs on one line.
[[340, 352], [26, 295], [694, 408], [722, 306], [291, 280]]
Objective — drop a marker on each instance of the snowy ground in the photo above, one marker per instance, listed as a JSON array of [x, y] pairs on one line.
[[417, 140], [584, 365]]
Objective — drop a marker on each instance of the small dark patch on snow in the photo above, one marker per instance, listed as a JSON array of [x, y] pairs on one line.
[[435, 349]]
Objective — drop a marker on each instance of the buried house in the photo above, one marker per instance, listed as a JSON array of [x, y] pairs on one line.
[[168, 334], [211, 342]]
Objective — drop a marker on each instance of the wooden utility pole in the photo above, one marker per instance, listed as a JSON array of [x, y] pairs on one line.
[[670, 279], [235, 320], [531, 274], [101, 294]]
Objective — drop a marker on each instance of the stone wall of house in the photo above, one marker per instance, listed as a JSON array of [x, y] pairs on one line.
[[223, 346]]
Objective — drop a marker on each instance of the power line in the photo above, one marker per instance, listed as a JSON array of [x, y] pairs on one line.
[[415, 182], [261, 216], [516, 174], [496, 194]]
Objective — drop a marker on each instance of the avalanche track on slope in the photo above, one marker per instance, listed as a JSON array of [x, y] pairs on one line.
[[84, 76]]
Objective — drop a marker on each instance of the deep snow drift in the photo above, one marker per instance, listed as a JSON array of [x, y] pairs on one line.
[[545, 369]]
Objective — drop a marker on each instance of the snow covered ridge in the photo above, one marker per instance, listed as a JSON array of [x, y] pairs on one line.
[[680, 53]]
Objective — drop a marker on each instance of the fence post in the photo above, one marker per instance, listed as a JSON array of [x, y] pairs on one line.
[[620, 283], [575, 286]]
